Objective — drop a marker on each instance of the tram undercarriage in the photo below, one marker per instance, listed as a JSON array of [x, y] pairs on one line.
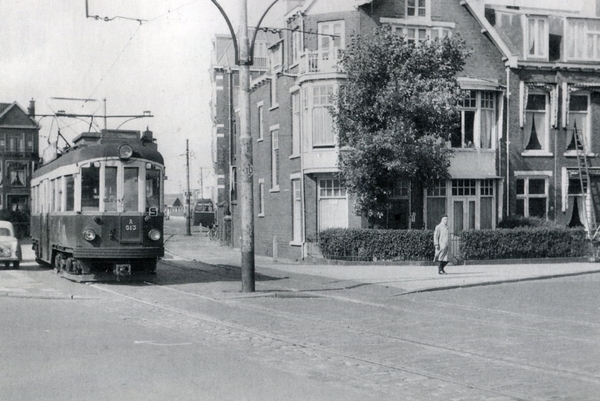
[[85, 270]]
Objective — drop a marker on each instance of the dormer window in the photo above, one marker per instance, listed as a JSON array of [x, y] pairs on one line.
[[416, 8], [537, 38]]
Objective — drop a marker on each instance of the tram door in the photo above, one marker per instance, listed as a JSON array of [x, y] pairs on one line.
[[45, 252], [463, 215]]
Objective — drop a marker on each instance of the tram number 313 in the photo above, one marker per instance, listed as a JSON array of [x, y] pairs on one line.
[[130, 226]]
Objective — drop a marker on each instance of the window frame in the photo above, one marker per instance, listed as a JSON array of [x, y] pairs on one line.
[[417, 6], [478, 113], [261, 197], [322, 100], [261, 121], [526, 196], [588, 129], [275, 160], [538, 54], [334, 191], [530, 116], [296, 48], [296, 123]]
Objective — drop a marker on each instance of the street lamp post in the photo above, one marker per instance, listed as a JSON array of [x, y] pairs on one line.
[[247, 187], [244, 58]]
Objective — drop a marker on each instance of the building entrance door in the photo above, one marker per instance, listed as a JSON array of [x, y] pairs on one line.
[[463, 214]]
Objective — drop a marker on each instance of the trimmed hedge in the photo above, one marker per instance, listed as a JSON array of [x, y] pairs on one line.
[[523, 243], [370, 244], [417, 245]]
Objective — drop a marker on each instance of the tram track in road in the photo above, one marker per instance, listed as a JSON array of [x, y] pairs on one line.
[[344, 357], [362, 332], [490, 314], [334, 359]]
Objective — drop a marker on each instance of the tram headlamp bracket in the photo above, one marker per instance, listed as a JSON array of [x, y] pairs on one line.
[[125, 151]]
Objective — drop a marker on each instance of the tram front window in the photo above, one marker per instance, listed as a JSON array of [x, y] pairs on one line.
[[90, 188], [152, 188], [131, 190], [110, 189]]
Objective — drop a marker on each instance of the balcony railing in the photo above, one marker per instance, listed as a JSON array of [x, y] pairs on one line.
[[321, 61]]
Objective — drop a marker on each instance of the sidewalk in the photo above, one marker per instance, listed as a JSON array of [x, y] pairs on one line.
[[403, 279]]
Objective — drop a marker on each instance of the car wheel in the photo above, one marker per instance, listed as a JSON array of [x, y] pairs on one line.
[[16, 264], [6, 265]]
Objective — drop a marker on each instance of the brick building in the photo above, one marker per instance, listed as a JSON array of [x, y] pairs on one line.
[[19, 147], [225, 116], [553, 73], [525, 87]]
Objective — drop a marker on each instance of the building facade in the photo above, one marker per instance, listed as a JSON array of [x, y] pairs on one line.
[[553, 73], [530, 88], [225, 116], [19, 155]]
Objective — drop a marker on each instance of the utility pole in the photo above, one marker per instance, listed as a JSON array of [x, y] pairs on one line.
[[201, 183], [247, 181], [244, 58], [188, 220], [105, 122]]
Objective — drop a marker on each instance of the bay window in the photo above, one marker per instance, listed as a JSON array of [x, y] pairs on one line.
[[477, 121], [322, 121]]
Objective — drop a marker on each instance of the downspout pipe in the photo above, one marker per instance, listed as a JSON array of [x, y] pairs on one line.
[[508, 141]]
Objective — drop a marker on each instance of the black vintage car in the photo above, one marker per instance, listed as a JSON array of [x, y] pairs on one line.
[[204, 213]]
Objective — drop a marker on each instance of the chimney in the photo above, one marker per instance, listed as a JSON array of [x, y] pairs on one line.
[[31, 108]]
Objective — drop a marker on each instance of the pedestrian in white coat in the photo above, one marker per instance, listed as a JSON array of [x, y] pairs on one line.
[[441, 237]]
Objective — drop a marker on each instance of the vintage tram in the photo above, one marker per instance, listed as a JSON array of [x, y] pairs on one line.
[[97, 208]]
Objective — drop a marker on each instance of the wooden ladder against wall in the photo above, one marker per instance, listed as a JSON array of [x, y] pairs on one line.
[[586, 185]]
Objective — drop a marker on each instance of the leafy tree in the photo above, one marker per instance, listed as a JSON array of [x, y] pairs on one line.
[[395, 113]]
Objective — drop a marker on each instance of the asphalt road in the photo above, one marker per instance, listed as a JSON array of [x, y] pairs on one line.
[[173, 339]]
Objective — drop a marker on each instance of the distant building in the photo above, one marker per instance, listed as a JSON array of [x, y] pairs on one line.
[[19, 155], [174, 206]]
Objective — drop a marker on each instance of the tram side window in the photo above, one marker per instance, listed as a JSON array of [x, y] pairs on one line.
[[131, 196], [70, 188], [110, 189], [152, 188], [90, 188], [53, 195]]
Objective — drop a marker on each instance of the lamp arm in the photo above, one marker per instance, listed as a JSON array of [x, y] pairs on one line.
[[251, 58], [235, 43]]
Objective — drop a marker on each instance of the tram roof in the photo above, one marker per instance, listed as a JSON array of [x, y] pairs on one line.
[[92, 146]]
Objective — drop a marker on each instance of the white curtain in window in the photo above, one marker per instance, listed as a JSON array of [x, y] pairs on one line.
[[577, 122], [539, 119], [487, 125], [322, 127], [580, 209]]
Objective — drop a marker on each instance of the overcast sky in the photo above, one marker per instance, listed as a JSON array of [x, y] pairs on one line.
[[49, 49]]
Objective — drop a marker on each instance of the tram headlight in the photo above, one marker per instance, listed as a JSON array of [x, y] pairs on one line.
[[154, 234], [89, 235], [125, 151]]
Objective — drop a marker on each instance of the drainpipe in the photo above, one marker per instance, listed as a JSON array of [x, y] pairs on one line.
[[508, 141], [230, 120]]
